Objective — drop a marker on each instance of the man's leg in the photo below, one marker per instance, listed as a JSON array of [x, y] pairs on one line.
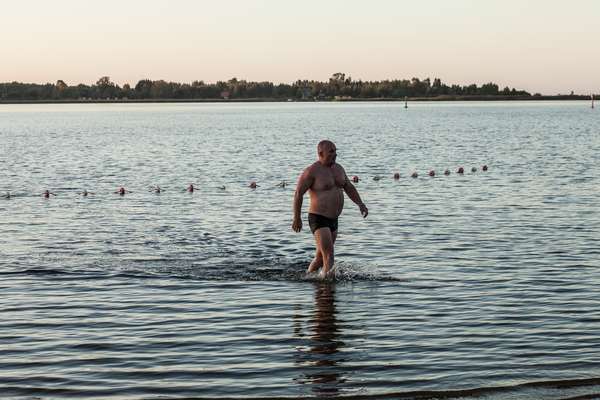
[[333, 237], [324, 239], [317, 262]]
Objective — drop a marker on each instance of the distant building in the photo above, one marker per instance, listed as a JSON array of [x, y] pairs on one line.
[[306, 93], [225, 94]]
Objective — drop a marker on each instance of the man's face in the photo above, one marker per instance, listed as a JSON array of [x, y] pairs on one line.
[[328, 155]]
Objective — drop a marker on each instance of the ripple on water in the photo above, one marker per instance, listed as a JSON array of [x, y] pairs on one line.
[[480, 285]]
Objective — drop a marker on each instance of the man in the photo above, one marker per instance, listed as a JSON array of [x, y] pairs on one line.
[[325, 180]]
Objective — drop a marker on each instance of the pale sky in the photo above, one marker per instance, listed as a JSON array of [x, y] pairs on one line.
[[546, 46]]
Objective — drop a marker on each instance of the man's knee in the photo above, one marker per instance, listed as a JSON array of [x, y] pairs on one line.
[[327, 250]]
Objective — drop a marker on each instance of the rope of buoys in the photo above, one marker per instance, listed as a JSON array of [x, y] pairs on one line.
[[415, 174], [252, 185]]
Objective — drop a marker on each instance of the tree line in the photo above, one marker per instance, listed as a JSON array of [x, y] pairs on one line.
[[339, 86]]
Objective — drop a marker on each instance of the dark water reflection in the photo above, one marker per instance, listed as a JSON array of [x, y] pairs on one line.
[[320, 361]]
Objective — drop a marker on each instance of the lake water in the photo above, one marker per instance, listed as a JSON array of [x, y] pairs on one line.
[[486, 284]]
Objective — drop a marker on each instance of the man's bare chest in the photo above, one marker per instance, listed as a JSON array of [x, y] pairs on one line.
[[328, 179]]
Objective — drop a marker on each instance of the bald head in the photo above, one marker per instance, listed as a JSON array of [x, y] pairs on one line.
[[327, 152], [324, 144]]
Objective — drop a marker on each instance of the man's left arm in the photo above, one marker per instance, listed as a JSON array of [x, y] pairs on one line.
[[352, 193]]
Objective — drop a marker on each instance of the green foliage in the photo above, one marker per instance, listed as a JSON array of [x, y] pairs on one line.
[[338, 85]]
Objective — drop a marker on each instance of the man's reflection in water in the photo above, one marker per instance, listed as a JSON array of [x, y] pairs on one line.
[[320, 360]]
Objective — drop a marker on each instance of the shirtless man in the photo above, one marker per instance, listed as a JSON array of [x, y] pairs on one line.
[[325, 181]]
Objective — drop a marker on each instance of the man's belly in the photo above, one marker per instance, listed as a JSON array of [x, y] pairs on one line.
[[327, 203]]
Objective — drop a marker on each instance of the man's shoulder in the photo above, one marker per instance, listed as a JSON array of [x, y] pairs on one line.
[[339, 167], [312, 168]]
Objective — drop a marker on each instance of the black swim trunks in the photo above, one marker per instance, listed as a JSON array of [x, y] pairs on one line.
[[317, 221]]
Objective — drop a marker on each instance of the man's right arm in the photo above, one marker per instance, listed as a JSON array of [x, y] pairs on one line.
[[305, 181]]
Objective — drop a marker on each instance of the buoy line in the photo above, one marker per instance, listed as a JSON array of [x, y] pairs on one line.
[[191, 188]]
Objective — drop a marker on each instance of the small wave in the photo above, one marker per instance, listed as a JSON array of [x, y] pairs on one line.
[[252, 270], [568, 389], [39, 271], [348, 272], [582, 389], [274, 270], [212, 269]]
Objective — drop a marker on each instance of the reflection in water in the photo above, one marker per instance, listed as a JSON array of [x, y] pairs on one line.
[[320, 360]]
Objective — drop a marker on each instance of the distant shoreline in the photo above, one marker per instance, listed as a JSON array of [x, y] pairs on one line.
[[447, 98]]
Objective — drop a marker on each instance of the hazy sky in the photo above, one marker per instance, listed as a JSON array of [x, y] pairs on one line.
[[546, 46]]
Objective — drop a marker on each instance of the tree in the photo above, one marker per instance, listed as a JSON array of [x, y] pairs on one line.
[[143, 88], [59, 89], [104, 82], [489, 89], [105, 88]]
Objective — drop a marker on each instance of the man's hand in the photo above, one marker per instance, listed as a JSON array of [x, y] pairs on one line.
[[363, 210], [297, 224]]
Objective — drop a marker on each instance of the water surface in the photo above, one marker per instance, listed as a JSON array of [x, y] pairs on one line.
[[484, 284]]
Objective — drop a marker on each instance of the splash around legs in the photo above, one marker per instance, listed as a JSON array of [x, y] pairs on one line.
[[324, 256]]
